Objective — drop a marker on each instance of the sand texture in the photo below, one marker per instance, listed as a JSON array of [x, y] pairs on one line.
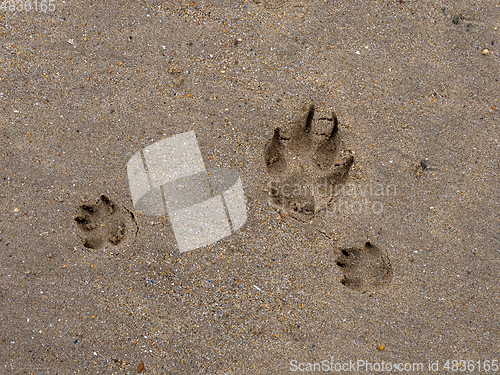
[[361, 136]]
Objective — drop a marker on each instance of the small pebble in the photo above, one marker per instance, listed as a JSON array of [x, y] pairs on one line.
[[140, 367], [485, 51]]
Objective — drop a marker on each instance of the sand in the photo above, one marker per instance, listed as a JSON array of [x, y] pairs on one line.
[[397, 263]]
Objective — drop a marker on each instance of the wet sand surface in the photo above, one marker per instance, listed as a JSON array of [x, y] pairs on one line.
[[398, 262]]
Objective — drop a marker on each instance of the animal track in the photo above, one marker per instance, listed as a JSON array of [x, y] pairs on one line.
[[364, 270], [105, 224], [305, 167]]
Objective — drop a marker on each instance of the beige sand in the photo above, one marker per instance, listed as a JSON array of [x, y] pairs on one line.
[[401, 264]]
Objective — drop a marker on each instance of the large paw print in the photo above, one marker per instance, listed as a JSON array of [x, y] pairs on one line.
[[305, 167], [105, 224]]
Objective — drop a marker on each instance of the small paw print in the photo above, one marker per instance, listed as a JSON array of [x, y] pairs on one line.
[[105, 224], [366, 269]]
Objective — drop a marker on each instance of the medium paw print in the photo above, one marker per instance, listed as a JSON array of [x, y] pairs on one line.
[[105, 224], [364, 270], [305, 167]]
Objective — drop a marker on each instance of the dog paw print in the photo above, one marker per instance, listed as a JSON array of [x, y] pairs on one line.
[[105, 224], [364, 270], [305, 167]]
